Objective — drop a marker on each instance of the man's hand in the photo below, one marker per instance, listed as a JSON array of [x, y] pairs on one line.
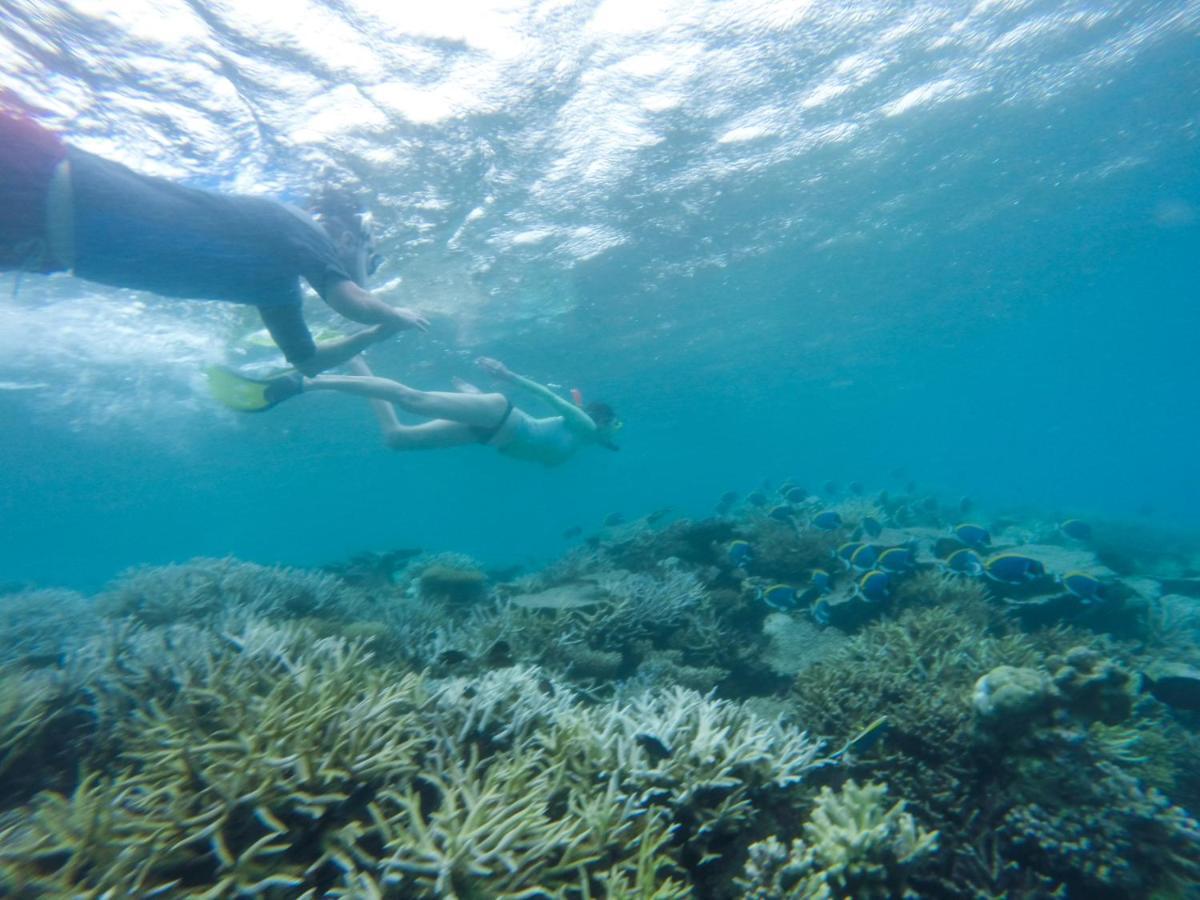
[[408, 318], [493, 367]]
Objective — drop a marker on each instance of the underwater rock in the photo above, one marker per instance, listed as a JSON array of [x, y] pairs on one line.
[[1175, 684], [1012, 698], [448, 584], [1093, 688]]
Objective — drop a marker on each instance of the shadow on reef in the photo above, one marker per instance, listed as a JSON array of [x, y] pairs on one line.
[[799, 697]]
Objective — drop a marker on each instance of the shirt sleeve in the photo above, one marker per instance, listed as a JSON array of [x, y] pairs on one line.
[[288, 330], [314, 252]]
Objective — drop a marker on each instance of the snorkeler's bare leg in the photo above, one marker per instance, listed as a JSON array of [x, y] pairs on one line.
[[469, 409], [429, 435]]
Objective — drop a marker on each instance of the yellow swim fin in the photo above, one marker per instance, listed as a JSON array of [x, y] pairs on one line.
[[247, 394]]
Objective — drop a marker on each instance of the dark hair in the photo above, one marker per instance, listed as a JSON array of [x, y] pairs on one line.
[[601, 413], [344, 216]]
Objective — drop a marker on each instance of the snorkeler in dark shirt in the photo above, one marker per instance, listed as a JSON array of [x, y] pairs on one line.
[[63, 209]]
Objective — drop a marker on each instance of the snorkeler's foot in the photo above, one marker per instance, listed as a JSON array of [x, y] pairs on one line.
[[247, 394]]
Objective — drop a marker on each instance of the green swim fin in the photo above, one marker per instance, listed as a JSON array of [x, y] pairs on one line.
[[246, 394]]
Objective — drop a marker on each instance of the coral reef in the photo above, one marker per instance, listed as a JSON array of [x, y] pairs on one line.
[[634, 720], [855, 845]]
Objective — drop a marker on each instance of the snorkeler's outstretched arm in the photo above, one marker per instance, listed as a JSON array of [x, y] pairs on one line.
[[291, 335], [348, 299], [575, 417]]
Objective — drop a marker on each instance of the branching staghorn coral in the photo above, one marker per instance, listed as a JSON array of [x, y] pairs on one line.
[[854, 846], [41, 627], [266, 760], [203, 589]]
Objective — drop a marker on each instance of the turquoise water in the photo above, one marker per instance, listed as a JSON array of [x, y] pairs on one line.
[[948, 243]]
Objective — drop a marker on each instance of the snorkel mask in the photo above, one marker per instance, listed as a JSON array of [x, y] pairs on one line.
[[352, 231], [612, 426], [358, 249]]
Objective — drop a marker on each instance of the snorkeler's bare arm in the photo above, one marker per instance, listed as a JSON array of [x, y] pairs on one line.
[[334, 353], [348, 299], [575, 417]]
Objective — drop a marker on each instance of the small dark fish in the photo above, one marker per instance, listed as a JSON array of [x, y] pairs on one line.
[[874, 585], [895, 559], [869, 736], [819, 579], [864, 558], [1013, 568], [781, 514], [965, 562], [821, 612], [573, 532], [653, 746], [847, 550], [1083, 585], [780, 596], [796, 495], [1177, 685], [659, 514], [725, 504], [757, 499], [856, 488], [829, 487], [972, 535], [452, 658], [499, 655], [964, 505], [613, 519], [827, 520], [1073, 528], [739, 553], [871, 526]]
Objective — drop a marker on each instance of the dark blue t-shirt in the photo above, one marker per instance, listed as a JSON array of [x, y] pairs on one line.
[[138, 231]]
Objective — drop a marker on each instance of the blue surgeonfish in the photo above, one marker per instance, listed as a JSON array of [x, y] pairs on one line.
[[1075, 529], [757, 498], [819, 579], [796, 495], [821, 612], [847, 550], [864, 558], [871, 526], [1013, 568], [965, 562], [725, 504], [779, 596], [739, 553], [827, 520], [1083, 585], [781, 514], [895, 559], [874, 585], [972, 535]]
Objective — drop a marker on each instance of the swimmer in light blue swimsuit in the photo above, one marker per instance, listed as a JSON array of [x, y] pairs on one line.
[[473, 417]]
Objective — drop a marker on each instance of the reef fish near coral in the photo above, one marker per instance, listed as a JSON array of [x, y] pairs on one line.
[[739, 553], [827, 520], [1076, 530], [1013, 568], [964, 561], [972, 535], [780, 596], [1083, 585], [874, 585]]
